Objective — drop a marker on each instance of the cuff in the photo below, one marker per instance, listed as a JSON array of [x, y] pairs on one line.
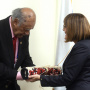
[[19, 77]]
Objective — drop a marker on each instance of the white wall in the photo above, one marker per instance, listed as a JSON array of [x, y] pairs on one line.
[[82, 6], [42, 39], [43, 36]]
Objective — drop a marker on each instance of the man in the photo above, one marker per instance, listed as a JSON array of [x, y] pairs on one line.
[[13, 55]]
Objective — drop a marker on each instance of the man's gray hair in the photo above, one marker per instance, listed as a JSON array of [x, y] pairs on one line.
[[18, 14]]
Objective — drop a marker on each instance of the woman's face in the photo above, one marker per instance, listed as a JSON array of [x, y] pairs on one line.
[[65, 30]]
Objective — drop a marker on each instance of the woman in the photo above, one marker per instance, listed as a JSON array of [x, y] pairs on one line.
[[76, 68]]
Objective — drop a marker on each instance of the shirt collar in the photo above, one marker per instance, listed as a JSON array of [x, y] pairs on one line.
[[11, 27]]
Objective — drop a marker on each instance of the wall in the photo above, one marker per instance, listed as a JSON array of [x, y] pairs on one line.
[[43, 37], [82, 6]]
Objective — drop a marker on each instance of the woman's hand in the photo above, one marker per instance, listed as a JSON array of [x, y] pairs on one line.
[[33, 78]]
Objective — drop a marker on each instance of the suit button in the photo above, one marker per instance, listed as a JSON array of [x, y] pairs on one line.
[[6, 86]]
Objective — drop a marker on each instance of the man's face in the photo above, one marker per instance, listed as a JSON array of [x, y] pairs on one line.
[[24, 28]]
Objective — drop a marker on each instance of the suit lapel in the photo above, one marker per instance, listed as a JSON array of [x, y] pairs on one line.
[[9, 41]]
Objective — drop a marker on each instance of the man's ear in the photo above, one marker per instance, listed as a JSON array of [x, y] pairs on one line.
[[16, 22]]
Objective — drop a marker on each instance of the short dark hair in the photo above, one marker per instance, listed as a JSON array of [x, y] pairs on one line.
[[78, 27]]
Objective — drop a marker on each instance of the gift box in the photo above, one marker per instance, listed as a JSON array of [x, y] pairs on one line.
[[45, 70]]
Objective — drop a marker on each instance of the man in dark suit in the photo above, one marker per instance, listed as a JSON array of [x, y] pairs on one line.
[[14, 36]]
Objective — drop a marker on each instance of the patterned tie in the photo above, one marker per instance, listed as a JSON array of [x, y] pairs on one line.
[[14, 46]]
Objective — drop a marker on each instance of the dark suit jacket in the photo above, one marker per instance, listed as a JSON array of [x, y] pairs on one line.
[[76, 69], [7, 70]]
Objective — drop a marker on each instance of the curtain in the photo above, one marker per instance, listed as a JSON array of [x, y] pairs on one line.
[[62, 47]]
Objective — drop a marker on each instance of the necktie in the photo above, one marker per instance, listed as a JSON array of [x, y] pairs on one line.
[[14, 46]]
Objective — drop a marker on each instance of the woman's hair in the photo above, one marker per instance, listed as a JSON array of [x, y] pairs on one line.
[[78, 27]]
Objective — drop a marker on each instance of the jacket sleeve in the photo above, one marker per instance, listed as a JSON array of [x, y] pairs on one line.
[[27, 61], [71, 68]]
